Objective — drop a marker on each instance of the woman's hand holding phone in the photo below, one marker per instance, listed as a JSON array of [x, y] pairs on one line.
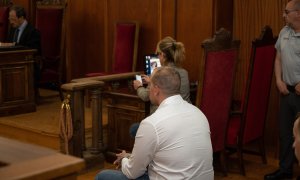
[[145, 78]]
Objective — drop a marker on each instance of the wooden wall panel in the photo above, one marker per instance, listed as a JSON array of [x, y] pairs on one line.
[[168, 13], [85, 37], [194, 24], [223, 13]]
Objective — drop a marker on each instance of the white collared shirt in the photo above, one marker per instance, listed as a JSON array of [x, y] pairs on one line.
[[172, 143]]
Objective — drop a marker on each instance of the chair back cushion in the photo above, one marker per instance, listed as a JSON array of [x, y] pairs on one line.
[[49, 23], [249, 125], [217, 93], [221, 55], [124, 47], [258, 92], [3, 23]]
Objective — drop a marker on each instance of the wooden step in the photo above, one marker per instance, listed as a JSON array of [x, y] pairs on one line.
[[42, 127], [33, 136]]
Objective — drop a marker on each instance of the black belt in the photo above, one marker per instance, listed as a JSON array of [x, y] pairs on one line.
[[291, 88]]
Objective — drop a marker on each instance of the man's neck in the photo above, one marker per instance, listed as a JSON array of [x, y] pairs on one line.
[[21, 22], [296, 27]]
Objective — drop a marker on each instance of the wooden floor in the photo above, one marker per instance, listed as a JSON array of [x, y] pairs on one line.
[[255, 169]]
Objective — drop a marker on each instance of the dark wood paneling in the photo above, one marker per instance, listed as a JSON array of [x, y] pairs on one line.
[[85, 37], [194, 24], [223, 14], [124, 109], [168, 18], [16, 82]]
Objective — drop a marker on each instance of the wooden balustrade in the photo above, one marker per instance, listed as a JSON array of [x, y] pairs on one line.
[[95, 86], [76, 91]]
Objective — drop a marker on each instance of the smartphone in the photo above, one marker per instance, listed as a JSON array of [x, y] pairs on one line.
[[139, 78]]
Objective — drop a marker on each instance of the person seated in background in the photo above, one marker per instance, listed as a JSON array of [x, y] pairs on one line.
[[170, 53], [296, 132], [172, 143], [22, 32]]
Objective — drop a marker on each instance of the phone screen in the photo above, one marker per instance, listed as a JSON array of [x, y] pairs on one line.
[[139, 78], [151, 62]]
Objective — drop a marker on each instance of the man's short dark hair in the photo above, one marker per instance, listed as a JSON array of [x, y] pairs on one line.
[[20, 11], [167, 79]]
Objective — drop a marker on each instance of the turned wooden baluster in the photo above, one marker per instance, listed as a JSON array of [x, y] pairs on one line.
[[77, 90], [96, 105]]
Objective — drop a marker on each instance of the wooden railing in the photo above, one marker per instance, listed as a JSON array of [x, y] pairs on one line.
[[94, 87]]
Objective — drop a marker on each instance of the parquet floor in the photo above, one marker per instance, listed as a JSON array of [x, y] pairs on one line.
[[255, 169]]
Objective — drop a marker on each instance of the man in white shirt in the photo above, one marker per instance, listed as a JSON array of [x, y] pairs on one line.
[[173, 143]]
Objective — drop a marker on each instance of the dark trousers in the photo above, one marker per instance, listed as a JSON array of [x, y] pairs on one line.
[[289, 107], [133, 129]]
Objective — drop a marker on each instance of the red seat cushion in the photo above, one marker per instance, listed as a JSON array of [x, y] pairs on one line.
[[234, 126], [49, 23], [124, 47]]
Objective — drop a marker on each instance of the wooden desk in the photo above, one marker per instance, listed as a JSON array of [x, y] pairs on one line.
[[124, 109], [16, 81], [25, 161]]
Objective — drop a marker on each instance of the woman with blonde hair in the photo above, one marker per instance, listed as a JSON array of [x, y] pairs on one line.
[[170, 53]]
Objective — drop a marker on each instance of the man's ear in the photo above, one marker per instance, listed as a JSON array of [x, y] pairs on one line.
[[156, 90]]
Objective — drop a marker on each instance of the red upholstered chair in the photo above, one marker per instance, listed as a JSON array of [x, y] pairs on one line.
[[247, 124], [50, 23], [3, 22], [125, 49], [216, 84]]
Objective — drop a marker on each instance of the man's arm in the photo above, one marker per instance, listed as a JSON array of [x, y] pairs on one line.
[[34, 40], [120, 156], [143, 152], [143, 93], [278, 75]]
